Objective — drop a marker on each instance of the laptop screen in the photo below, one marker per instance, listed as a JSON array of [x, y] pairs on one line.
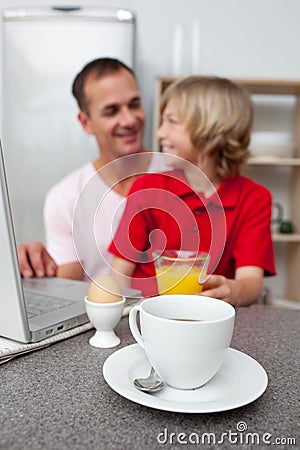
[[12, 308]]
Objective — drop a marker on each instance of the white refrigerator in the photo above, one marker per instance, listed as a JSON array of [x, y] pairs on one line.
[[42, 49]]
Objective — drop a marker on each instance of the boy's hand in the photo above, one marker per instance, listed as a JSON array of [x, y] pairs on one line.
[[218, 286]]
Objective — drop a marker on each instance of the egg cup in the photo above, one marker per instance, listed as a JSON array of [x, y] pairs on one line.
[[104, 317]]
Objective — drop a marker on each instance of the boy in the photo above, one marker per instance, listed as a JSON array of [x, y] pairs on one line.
[[206, 126]]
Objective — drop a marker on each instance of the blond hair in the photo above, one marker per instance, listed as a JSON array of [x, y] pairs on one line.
[[218, 115]]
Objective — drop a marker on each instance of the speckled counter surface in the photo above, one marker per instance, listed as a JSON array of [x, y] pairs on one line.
[[56, 398]]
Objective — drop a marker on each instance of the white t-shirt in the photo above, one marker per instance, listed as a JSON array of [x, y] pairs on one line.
[[81, 214]]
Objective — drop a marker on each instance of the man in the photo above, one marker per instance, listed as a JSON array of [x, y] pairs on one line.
[[110, 108]]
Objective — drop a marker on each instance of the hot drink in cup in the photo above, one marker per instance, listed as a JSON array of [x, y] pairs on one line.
[[185, 337], [179, 271]]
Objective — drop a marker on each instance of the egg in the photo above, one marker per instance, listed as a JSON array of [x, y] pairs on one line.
[[104, 289]]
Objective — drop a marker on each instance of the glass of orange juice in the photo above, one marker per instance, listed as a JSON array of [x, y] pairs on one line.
[[179, 271]]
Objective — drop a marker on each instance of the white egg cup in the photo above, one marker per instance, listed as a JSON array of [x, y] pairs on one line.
[[104, 317]]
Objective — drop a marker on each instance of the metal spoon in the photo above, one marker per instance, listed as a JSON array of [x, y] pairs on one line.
[[152, 383]]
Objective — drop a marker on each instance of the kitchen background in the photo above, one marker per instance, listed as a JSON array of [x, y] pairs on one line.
[[233, 38]]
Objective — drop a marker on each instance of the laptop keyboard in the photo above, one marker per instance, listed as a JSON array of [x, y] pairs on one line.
[[37, 304]]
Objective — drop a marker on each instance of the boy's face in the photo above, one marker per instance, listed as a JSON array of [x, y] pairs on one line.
[[115, 114], [174, 138]]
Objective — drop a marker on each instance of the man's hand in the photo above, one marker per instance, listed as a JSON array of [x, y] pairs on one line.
[[34, 260]]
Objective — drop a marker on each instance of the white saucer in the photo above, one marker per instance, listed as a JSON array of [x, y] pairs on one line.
[[240, 381]]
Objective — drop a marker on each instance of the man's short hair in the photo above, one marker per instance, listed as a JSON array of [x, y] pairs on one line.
[[97, 68]]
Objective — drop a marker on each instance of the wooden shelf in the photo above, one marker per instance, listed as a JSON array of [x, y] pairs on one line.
[[281, 237], [273, 161], [255, 86], [271, 87]]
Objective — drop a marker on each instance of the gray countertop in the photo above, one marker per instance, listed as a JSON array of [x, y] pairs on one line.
[[57, 398]]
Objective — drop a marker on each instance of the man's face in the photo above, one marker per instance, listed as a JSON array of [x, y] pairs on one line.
[[115, 114]]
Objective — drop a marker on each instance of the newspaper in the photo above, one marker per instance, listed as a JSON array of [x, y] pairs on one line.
[[10, 349]]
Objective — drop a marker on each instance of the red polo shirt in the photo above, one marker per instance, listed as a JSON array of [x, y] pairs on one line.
[[163, 211]]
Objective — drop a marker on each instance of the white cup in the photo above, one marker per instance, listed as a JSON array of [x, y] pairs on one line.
[[187, 352]]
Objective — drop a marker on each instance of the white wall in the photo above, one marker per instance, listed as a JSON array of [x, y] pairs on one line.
[[239, 38]]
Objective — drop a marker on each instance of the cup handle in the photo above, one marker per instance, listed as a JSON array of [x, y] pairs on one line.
[[133, 325]]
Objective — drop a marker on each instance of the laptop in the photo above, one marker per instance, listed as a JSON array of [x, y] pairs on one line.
[[32, 309]]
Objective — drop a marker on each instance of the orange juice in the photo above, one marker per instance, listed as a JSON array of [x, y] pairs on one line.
[[178, 280]]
